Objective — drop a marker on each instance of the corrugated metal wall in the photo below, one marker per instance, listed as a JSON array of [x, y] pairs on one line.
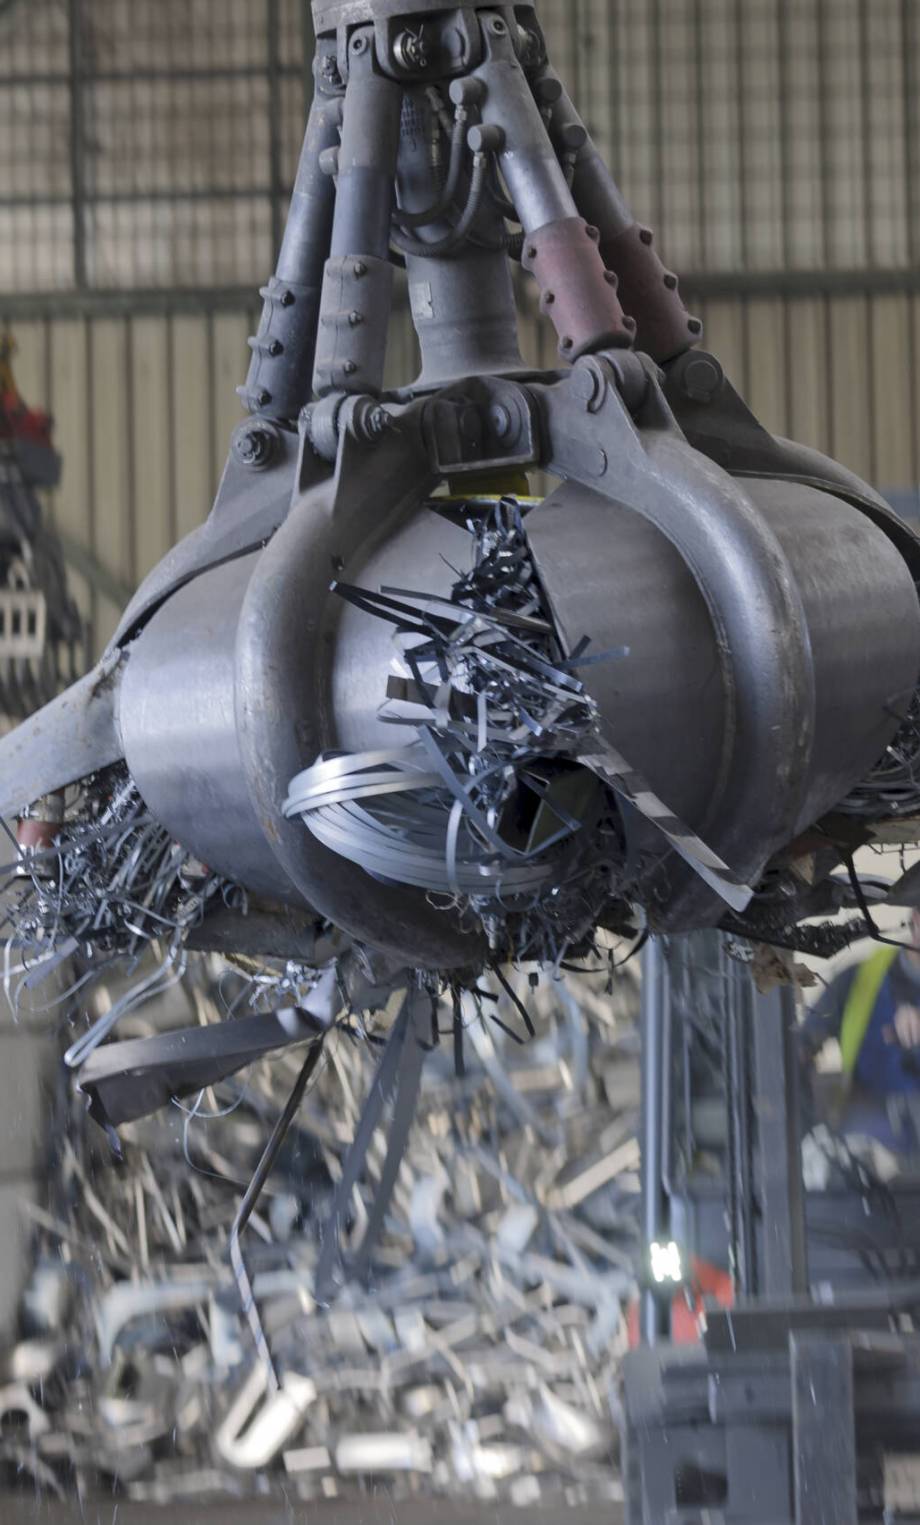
[[144, 406], [768, 141], [756, 134], [148, 142]]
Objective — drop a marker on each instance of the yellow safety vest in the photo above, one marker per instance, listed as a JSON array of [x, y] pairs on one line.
[[860, 1004]]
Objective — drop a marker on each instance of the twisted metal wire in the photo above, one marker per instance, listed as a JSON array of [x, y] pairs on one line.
[[113, 884]]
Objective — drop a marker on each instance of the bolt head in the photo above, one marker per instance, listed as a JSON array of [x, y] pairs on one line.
[[467, 92], [587, 383], [255, 443], [359, 44], [702, 378], [547, 91], [500, 420], [369, 420], [486, 138], [573, 137], [410, 53]]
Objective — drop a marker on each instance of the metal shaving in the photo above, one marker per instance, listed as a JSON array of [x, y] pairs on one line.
[[113, 884], [892, 789], [487, 808], [474, 1352], [504, 803]]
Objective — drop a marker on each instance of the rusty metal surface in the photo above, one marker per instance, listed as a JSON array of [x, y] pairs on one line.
[[576, 293], [650, 292]]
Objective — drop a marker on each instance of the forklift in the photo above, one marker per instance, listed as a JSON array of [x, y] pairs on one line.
[[778, 1377]]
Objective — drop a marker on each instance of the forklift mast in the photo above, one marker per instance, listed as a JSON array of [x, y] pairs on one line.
[[801, 1401]]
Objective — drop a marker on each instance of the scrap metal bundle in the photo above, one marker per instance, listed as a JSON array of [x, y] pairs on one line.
[[477, 1350]]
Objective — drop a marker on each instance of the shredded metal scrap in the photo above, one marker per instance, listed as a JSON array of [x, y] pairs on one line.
[[503, 802], [486, 807], [112, 884], [475, 1347]]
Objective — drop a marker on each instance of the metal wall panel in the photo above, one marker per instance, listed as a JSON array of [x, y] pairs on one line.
[[143, 411], [836, 372], [756, 134], [146, 142], [145, 406], [150, 142]]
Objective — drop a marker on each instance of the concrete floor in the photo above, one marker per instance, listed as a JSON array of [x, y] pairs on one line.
[[378, 1511]]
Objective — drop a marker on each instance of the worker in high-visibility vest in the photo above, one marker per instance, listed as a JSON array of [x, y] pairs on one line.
[[873, 1010]]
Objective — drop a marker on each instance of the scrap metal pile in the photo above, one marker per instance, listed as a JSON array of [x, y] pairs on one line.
[[476, 1350], [101, 887]]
